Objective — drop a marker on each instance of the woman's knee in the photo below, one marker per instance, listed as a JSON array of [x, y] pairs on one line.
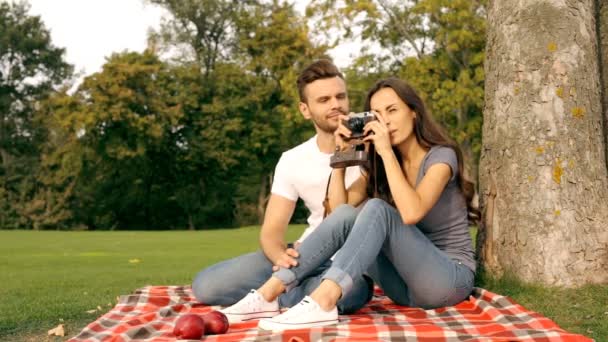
[[344, 213], [345, 210], [376, 204]]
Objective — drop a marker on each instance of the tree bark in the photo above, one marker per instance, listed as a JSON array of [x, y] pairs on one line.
[[263, 196], [543, 176], [602, 29]]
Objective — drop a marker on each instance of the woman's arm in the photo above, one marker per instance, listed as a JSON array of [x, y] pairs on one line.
[[338, 194], [414, 204]]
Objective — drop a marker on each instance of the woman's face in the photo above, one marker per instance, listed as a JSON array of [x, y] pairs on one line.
[[397, 115]]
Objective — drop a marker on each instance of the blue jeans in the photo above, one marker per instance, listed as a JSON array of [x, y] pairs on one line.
[[227, 282], [410, 269]]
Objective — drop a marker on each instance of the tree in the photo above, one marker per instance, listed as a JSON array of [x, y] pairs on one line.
[[251, 79], [543, 174], [271, 62], [30, 68], [203, 29], [138, 149], [603, 48]]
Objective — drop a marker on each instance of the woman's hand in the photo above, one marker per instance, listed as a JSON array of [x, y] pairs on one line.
[[381, 136], [341, 133]]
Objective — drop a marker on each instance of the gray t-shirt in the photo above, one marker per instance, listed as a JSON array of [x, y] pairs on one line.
[[446, 224]]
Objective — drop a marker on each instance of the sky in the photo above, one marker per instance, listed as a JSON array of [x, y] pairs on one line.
[[91, 30]]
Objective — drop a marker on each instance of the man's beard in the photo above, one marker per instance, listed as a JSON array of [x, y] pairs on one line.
[[325, 125]]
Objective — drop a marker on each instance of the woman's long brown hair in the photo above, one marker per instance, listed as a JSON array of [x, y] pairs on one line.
[[428, 133]]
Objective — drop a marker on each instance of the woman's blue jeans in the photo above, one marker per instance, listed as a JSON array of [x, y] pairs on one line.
[[410, 269]]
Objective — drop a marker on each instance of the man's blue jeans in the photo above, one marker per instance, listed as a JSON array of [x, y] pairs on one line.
[[410, 269], [227, 282]]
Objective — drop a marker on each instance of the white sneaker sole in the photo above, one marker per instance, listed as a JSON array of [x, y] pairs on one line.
[[237, 318], [276, 326]]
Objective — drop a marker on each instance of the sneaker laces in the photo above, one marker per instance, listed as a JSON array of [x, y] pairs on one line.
[[304, 306], [252, 302]]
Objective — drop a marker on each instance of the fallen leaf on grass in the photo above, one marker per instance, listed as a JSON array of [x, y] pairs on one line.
[[91, 311], [57, 331]]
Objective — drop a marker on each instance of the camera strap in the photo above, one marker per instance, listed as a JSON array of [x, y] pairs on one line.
[[326, 208], [375, 177]]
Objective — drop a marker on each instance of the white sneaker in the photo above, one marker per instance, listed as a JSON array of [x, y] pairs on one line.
[[252, 306], [306, 314]]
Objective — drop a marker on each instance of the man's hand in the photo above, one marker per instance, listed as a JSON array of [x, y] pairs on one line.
[[286, 260]]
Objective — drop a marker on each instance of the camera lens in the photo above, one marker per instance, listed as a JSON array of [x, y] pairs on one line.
[[356, 125]]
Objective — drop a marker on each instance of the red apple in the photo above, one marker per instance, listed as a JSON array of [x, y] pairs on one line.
[[189, 327], [215, 323]]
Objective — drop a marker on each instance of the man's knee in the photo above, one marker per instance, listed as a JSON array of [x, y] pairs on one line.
[[227, 282], [209, 289]]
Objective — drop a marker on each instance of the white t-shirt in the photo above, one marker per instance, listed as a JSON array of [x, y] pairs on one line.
[[303, 172]]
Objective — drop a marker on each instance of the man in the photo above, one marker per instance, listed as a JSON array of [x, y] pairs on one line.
[[301, 172]]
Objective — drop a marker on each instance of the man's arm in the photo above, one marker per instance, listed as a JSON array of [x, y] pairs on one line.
[[272, 236]]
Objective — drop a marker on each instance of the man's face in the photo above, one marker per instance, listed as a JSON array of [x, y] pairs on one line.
[[326, 99]]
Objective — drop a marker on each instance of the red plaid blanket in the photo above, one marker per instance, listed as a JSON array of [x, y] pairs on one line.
[[150, 313]]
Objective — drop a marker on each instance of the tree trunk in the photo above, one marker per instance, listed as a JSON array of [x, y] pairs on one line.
[[543, 177], [263, 198], [4, 155], [602, 28], [190, 222]]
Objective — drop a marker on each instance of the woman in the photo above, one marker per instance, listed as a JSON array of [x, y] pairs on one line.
[[412, 238]]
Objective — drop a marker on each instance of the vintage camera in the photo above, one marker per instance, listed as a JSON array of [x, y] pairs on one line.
[[356, 153], [356, 122]]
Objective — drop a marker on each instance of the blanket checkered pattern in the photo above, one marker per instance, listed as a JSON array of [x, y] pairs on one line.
[[150, 313]]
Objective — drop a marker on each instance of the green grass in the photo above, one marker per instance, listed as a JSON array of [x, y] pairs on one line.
[[583, 310], [50, 278]]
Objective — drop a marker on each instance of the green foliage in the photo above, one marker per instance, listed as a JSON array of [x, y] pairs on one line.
[[250, 74], [436, 45], [139, 129], [204, 31], [148, 144], [187, 134], [271, 62], [30, 69]]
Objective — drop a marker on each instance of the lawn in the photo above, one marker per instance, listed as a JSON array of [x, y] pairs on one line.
[[50, 278]]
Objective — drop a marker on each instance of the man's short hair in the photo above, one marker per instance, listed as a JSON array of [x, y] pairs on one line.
[[318, 70]]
